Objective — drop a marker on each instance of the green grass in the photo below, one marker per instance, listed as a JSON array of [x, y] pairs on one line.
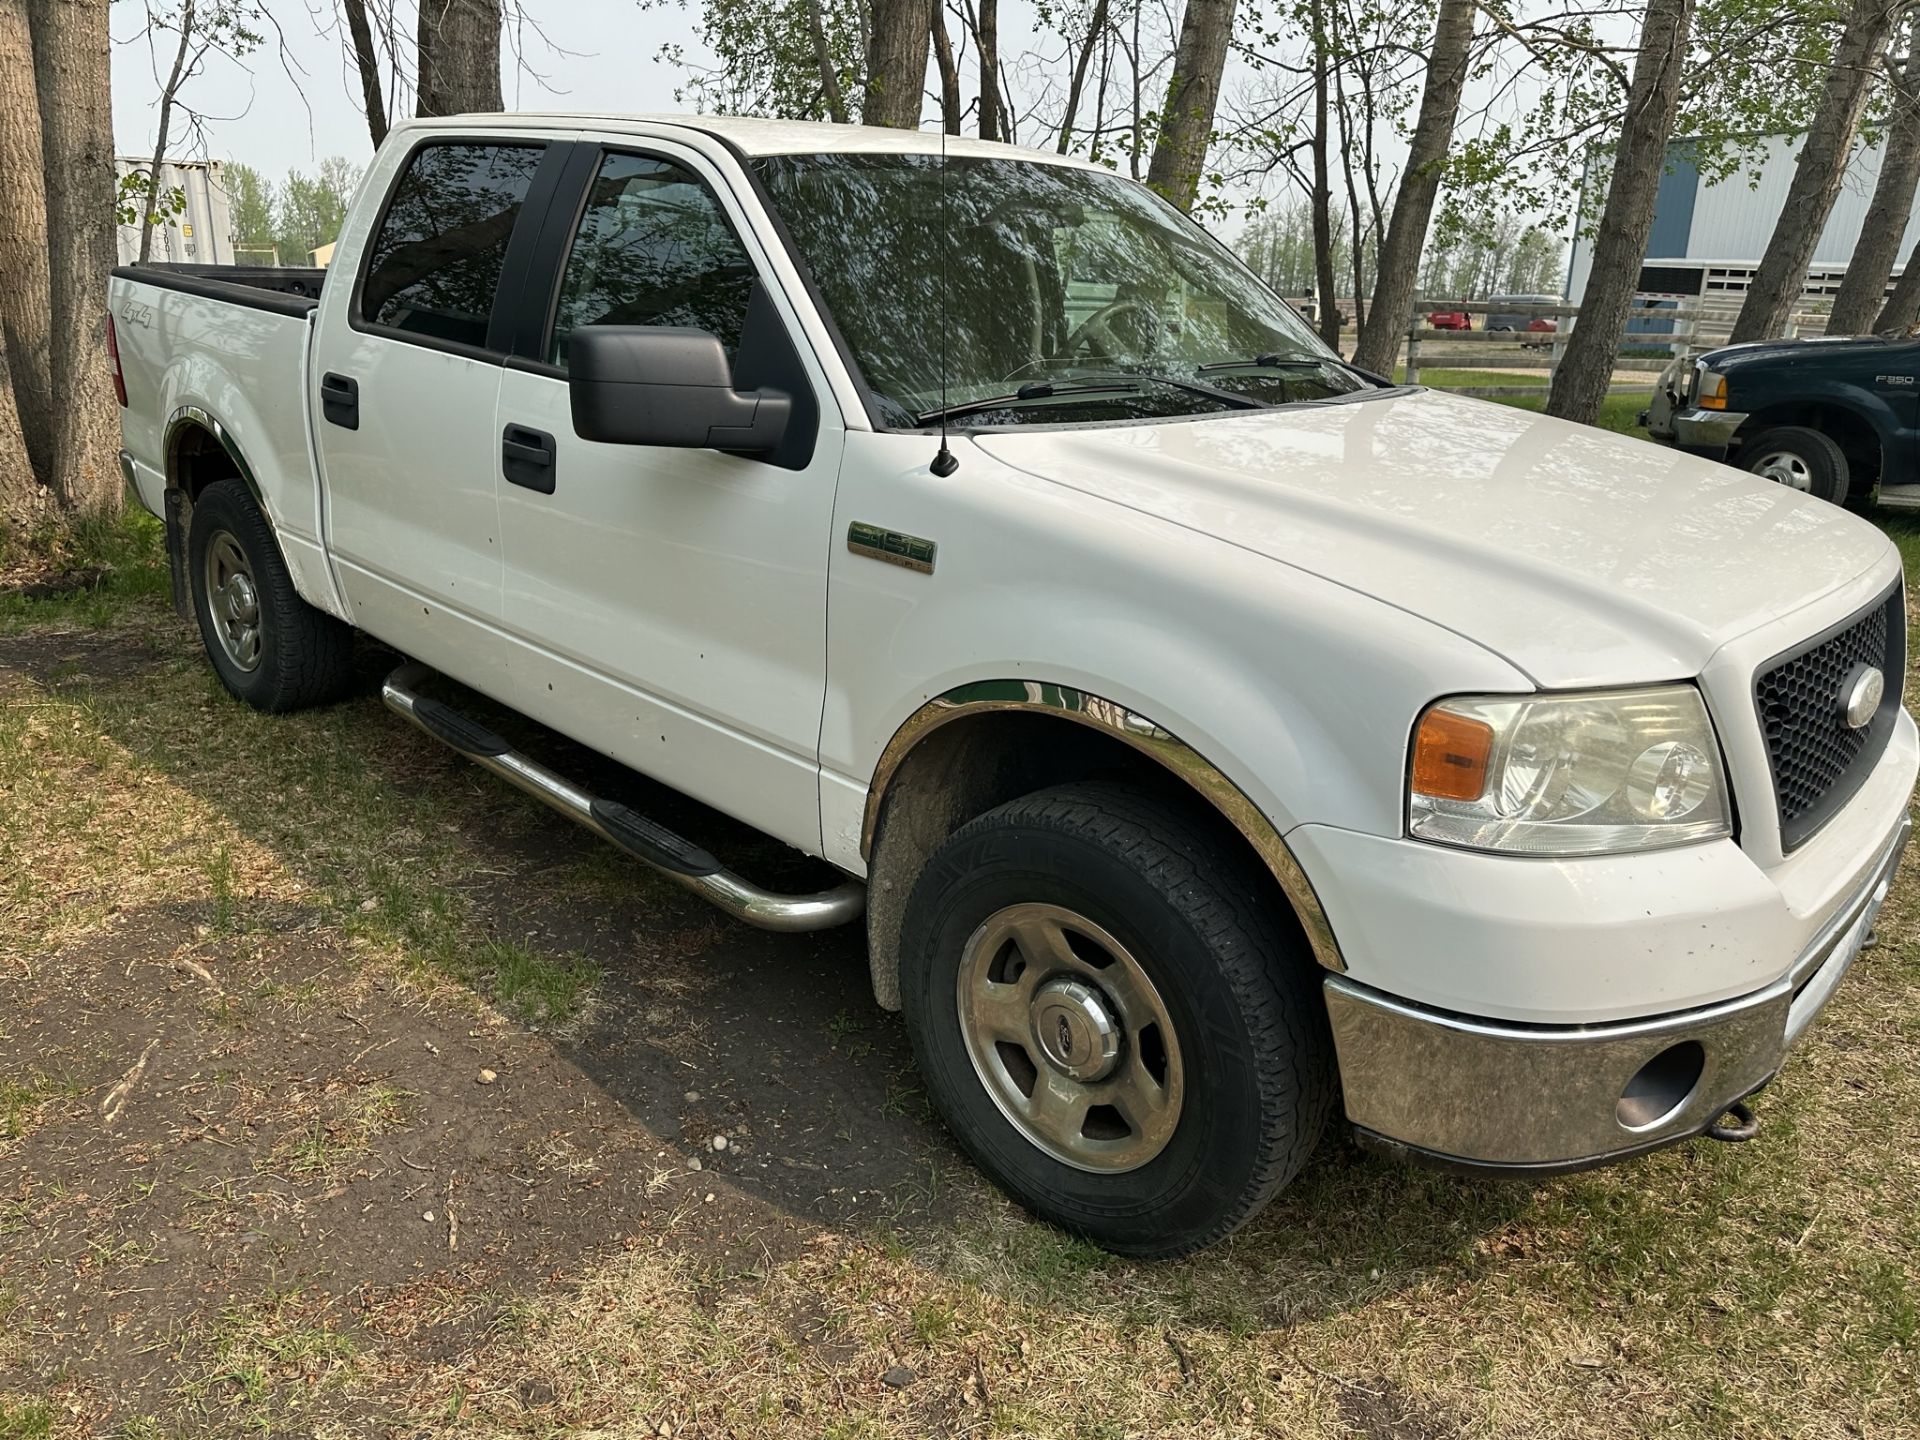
[[118, 560], [25, 1419], [1444, 378], [1619, 413]]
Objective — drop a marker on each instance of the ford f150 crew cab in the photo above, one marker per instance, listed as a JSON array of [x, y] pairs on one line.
[[1211, 735]]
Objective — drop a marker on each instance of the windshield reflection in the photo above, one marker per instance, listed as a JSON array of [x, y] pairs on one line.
[[1054, 274]]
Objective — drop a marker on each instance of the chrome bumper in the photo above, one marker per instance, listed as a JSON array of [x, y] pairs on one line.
[[1706, 429], [1492, 1095]]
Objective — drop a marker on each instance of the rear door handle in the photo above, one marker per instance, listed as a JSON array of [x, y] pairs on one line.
[[340, 400], [527, 458]]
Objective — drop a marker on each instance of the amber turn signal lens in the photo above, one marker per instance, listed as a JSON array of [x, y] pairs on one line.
[[1450, 756], [1713, 392]]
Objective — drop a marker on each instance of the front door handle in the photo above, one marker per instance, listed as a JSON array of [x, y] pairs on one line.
[[340, 400], [526, 458]]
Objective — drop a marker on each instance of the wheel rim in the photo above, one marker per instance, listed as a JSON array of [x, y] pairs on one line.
[[1070, 1037], [233, 600], [1783, 467]]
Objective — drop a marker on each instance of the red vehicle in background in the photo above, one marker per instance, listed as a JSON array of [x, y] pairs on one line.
[[1450, 320]]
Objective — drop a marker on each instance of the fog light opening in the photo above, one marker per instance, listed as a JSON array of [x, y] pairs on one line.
[[1661, 1086]]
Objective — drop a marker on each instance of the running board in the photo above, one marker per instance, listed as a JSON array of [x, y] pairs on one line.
[[680, 860]]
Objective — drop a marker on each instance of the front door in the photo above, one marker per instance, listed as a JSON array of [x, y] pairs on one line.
[[671, 602], [404, 380]]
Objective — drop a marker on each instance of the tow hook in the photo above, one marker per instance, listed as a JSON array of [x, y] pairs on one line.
[[1737, 1124]]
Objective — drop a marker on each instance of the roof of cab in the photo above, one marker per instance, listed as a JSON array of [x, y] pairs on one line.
[[756, 137]]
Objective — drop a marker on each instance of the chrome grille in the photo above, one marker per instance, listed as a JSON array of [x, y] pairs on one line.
[[1818, 761]]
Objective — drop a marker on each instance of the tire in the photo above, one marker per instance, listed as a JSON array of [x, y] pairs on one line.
[[1221, 1077], [290, 655], [1799, 458]]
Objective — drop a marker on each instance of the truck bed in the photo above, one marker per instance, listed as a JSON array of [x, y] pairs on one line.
[[282, 289]]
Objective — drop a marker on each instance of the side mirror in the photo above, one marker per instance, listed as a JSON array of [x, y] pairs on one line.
[[666, 385]]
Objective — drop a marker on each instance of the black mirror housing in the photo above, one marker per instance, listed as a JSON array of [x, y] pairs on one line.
[[666, 385]]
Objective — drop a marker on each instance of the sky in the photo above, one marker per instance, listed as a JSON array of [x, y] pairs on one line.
[[275, 121]]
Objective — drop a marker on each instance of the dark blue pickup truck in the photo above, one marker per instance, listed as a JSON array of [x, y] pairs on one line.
[[1839, 418]]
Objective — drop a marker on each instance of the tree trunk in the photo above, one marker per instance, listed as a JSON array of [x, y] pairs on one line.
[[23, 499], [1863, 290], [1902, 310], [949, 71], [1397, 269], [897, 63], [1781, 277], [459, 65], [150, 210], [830, 91], [26, 299], [367, 61], [1585, 370], [1076, 87], [987, 36], [1323, 278], [70, 61], [1186, 125]]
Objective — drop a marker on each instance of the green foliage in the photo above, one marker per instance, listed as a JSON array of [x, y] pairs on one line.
[[767, 60], [308, 210], [250, 201]]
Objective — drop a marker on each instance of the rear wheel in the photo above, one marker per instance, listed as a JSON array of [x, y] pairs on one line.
[[268, 646], [1112, 1020], [1799, 458]]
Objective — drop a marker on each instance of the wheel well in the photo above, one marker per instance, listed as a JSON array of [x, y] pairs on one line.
[[1847, 428], [973, 764], [196, 459]]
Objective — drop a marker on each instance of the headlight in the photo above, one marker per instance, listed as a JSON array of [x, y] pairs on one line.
[[1709, 389], [1586, 774]]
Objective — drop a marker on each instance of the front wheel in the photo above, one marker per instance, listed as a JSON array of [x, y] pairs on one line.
[[1112, 1020], [1801, 459]]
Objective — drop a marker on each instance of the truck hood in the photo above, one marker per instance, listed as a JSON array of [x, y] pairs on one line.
[[1811, 349], [1581, 556]]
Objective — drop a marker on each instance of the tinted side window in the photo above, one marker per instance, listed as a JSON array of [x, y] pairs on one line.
[[434, 265], [653, 248]]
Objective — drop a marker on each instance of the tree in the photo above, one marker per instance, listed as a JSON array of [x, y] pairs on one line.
[[312, 208], [26, 314], [1782, 273], [366, 64], [1863, 290], [1902, 311], [71, 44], [1585, 371], [897, 63], [458, 61], [1193, 94], [1394, 280], [204, 27], [250, 202]]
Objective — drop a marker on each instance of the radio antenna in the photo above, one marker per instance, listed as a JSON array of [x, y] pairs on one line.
[[945, 462]]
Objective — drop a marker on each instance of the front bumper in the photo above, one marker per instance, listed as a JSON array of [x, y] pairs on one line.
[[1505, 1096], [1706, 431]]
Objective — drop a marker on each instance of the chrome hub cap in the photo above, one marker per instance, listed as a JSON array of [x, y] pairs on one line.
[[1785, 468], [1075, 1030], [1070, 1037], [233, 602]]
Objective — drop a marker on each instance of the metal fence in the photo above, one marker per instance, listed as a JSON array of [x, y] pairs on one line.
[[1659, 329]]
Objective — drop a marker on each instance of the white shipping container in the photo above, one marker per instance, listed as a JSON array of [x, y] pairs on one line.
[[201, 234]]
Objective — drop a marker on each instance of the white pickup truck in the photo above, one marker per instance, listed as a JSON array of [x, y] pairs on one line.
[[1210, 734]]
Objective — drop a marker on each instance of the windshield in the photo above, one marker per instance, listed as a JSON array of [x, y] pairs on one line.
[[1072, 294]]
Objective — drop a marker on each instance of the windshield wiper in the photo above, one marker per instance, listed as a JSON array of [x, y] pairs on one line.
[[1294, 362], [1191, 387], [1040, 390]]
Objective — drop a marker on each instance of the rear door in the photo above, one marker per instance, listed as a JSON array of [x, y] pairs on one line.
[[405, 377], [670, 603]]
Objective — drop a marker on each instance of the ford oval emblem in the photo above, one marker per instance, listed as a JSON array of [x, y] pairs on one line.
[[1860, 696]]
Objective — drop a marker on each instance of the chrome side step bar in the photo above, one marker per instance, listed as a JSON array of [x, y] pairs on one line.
[[679, 860]]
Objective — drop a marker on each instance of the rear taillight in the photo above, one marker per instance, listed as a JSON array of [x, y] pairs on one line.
[[113, 353]]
